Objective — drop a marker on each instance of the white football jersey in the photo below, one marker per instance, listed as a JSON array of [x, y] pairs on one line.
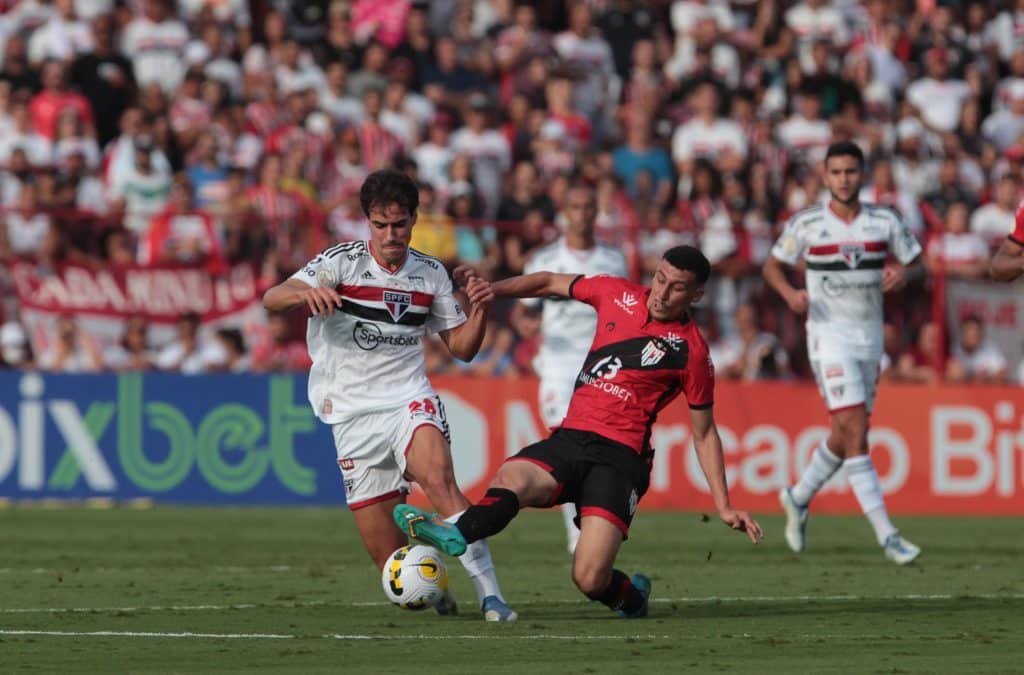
[[844, 266], [567, 326], [368, 355]]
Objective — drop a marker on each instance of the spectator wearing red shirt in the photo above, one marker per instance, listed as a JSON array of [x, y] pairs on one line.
[[47, 106], [181, 233]]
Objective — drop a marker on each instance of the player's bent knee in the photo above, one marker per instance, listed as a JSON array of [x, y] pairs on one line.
[[592, 580]]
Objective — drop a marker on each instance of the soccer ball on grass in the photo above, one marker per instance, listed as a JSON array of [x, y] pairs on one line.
[[415, 577]]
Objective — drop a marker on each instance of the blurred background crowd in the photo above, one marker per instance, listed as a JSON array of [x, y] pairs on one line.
[[213, 133]]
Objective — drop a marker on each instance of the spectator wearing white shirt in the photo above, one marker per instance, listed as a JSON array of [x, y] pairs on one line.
[[435, 155], [1006, 31], [883, 190], [749, 353], [155, 42], [995, 220], [975, 358], [708, 50], [938, 98], [187, 353], [958, 252], [26, 229], [63, 37], [487, 147], [804, 134], [583, 49], [816, 21], [72, 351], [686, 14], [37, 148], [1004, 127], [335, 100], [708, 136]]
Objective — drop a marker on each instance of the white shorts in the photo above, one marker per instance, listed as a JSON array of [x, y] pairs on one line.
[[845, 382], [372, 448], [554, 396]]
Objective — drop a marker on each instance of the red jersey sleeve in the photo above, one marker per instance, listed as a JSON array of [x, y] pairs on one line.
[[699, 380], [1017, 236], [591, 289]]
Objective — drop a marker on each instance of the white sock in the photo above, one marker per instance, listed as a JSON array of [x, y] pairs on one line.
[[860, 471], [571, 531], [823, 465], [479, 566]]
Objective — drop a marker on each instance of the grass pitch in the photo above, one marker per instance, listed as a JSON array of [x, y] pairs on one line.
[[291, 590]]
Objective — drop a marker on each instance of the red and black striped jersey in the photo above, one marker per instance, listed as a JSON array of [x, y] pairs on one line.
[[636, 366]]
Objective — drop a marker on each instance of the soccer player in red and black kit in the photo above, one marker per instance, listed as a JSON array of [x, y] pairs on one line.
[[645, 353]]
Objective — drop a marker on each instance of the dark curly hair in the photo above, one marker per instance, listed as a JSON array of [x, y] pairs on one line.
[[386, 187]]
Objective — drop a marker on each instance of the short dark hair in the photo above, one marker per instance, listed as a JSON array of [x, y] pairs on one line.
[[385, 187], [845, 149], [689, 259]]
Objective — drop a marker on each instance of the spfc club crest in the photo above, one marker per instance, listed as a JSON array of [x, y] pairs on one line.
[[397, 303], [651, 354], [852, 253]]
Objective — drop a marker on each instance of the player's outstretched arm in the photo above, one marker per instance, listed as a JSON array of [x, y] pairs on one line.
[[1008, 263], [536, 285], [291, 293], [775, 275], [709, 452]]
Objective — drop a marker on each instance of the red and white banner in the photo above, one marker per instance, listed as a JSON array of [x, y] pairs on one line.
[[937, 449], [102, 299]]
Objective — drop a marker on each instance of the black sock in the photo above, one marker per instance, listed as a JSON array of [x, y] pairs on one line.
[[489, 516], [620, 594]]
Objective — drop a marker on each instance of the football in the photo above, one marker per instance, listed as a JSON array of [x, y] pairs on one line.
[[415, 577]]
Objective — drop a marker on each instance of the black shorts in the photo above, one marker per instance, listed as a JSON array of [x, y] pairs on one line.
[[600, 476]]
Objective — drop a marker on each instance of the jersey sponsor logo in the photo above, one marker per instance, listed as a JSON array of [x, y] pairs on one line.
[[346, 464], [601, 372], [651, 354], [852, 253], [397, 303], [367, 275], [368, 337], [674, 341], [627, 302], [837, 286]]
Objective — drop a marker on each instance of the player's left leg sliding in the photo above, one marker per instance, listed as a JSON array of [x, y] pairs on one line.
[[860, 471], [480, 567]]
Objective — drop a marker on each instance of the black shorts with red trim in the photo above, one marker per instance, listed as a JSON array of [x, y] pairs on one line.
[[600, 476]]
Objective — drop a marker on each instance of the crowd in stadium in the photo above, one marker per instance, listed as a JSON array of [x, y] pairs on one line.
[[209, 133]]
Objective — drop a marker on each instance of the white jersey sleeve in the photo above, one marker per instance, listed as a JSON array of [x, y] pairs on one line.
[[792, 244], [324, 269], [445, 311], [903, 245]]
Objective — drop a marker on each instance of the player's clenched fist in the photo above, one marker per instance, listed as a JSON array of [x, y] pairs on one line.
[[321, 300], [479, 291]]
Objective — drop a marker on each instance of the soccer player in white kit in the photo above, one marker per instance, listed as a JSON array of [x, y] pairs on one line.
[[567, 326], [845, 244], [372, 303]]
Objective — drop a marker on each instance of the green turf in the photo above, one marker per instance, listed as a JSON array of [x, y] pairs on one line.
[[302, 573]]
